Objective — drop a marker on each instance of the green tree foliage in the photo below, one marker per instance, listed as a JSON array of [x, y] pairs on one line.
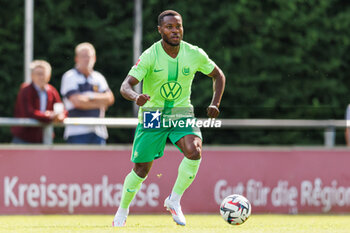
[[282, 59]]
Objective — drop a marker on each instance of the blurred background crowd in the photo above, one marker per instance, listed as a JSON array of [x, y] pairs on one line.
[[282, 59]]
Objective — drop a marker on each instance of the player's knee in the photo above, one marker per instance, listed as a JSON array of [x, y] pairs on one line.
[[195, 153], [141, 171]]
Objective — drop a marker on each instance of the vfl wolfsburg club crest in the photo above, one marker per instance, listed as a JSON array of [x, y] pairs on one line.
[[186, 70], [171, 90]]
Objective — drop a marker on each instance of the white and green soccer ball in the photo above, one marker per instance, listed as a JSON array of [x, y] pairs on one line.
[[235, 209]]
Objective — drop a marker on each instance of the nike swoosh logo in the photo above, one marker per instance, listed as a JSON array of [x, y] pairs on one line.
[[155, 70], [130, 190]]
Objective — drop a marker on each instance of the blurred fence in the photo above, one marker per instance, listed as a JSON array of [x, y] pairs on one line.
[[329, 126]]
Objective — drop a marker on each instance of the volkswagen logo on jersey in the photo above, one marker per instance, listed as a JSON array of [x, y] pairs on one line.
[[171, 90], [151, 120]]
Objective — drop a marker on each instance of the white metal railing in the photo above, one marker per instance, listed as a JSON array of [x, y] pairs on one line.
[[329, 126]]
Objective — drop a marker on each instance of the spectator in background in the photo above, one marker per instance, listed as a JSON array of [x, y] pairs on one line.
[[85, 94], [347, 129], [36, 100]]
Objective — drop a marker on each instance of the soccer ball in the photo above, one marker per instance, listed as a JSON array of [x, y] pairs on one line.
[[235, 209]]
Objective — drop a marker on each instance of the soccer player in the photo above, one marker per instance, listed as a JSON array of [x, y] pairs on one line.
[[167, 69]]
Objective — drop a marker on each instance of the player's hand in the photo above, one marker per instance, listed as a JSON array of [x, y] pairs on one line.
[[213, 111], [141, 99]]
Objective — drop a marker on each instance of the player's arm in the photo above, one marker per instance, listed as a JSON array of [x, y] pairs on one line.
[[127, 91], [218, 89]]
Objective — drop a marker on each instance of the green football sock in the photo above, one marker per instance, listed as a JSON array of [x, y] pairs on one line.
[[186, 174], [132, 184]]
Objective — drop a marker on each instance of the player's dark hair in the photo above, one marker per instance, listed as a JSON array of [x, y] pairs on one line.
[[167, 13]]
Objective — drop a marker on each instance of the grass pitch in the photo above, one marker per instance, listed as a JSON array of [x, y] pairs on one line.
[[164, 223]]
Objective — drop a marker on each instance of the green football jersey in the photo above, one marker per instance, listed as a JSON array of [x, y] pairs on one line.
[[168, 80]]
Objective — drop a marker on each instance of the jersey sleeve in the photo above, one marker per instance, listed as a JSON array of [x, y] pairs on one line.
[[142, 66], [69, 86], [102, 82], [206, 65]]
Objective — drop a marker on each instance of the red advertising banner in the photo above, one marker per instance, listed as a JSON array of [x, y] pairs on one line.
[[79, 181]]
